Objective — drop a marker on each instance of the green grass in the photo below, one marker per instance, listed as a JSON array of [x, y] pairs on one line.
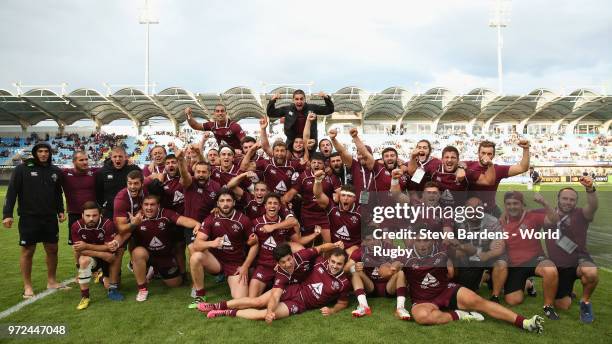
[[165, 317]]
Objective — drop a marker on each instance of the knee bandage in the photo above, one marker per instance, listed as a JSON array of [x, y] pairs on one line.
[[85, 273]]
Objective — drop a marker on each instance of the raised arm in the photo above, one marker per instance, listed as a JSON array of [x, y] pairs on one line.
[[191, 121], [271, 109], [246, 160], [523, 165], [592, 202], [347, 158], [317, 189], [552, 217], [186, 178], [324, 110], [263, 135], [361, 148]]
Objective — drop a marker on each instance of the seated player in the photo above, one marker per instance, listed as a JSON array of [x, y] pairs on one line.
[[437, 301], [94, 245], [153, 232], [525, 255], [291, 268], [344, 218], [373, 276], [220, 246], [271, 230], [474, 255], [570, 254], [325, 283]]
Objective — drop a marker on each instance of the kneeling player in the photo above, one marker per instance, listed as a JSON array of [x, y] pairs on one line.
[[95, 247], [429, 272], [382, 279], [154, 246], [325, 283]]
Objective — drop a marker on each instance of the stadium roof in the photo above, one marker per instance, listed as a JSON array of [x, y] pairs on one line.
[[394, 104]]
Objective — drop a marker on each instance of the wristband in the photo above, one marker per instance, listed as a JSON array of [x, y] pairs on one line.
[[352, 269], [394, 181]]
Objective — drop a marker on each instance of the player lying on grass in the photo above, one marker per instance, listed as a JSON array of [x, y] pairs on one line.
[[437, 301], [154, 235], [373, 277], [298, 286], [95, 246]]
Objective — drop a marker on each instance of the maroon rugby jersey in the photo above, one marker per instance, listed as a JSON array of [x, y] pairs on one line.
[[224, 177], [311, 212], [454, 193], [574, 226], [520, 249], [234, 230], [156, 234], [371, 262], [345, 225], [254, 209], [102, 233], [382, 178], [427, 276], [268, 241], [79, 187], [362, 178], [200, 199], [278, 177], [321, 287], [173, 197], [124, 205], [486, 193], [429, 166], [158, 169], [229, 133], [304, 262]]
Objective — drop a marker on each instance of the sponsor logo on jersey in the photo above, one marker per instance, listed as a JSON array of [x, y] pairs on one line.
[[109, 176], [270, 242], [226, 241], [317, 289], [429, 281], [70, 174], [281, 186], [89, 173], [273, 171], [217, 224], [343, 231], [200, 191], [156, 244]]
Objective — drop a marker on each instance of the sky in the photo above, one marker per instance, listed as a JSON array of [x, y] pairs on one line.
[[211, 46]]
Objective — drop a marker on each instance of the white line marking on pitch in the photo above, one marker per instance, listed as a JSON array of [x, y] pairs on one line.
[[36, 297]]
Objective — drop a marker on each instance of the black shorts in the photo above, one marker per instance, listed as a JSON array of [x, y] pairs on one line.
[[470, 277], [517, 276], [567, 277], [99, 265], [188, 236], [166, 266], [72, 218], [35, 229]]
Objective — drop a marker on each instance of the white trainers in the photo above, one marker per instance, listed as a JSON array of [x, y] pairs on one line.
[[469, 316], [361, 311], [142, 295], [534, 324], [403, 314]]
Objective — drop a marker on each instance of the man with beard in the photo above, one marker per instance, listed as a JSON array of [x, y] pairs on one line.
[[344, 217], [438, 301], [377, 276], [157, 156], [78, 184], [338, 169], [525, 255], [486, 153], [569, 252], [421, 165], [453, 188], [128, 203], [291, 268], [94, 248], [295, 114], [226, 169], [275, 172], [111, 178], [312, 214], [220, 246], [154, 243], [271, 230], [361, 177], [36, 186], [381, 170], [474, 255], [327, 282], [293, 152], [226, 131]]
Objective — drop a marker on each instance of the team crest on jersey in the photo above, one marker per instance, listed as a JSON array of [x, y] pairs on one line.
[[213, 195], [259, 275], [100, 236], [254, 208], [437, 261], [294, 309], [273, 171], [143, 228], [200, 191], [320, 269], [309, 183], [337, 213], [109, 176], [335, 285], [54, 177], [217, 224], [354, 219], [70, 174], [161, 225], [34, 174], [235, 227], [89, 173]]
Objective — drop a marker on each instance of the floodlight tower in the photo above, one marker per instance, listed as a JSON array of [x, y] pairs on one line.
[[147, 17], [500, 18]]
